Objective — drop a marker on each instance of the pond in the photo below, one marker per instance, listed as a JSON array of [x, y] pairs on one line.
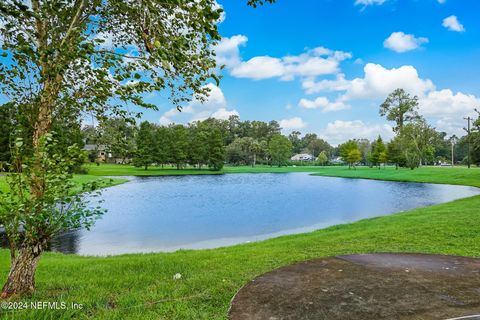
[[195, 212]]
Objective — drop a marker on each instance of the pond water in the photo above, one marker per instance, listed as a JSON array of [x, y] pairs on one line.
[[193, 212]]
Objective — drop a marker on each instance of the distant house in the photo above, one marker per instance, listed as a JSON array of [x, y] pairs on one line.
[[337, 160], [303, 157], [100, 150]]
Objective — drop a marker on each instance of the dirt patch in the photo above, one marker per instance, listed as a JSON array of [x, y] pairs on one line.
[[370, 286]]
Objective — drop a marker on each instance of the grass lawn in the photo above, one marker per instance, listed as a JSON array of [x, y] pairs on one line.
[[141, 286], [446, 175], [79, 179]]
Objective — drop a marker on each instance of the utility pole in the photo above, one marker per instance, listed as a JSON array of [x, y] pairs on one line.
[[469, 119], [453, 160], [453, 141]]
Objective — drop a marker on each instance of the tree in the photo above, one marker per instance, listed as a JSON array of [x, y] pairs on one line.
[[414, 145], [475, 140], [294, 138], [96, 57], [353, 157], [378, 152], [346, 149], [62, 207], [6, 129], [244, 151], [364, 146], [198, 142], [383, 157], [117, 134], [400, 107], [234, 153], [178, 145], [280, 150], [322, 158], [145, 141], [216, 150], [316, 146], [162, 145]]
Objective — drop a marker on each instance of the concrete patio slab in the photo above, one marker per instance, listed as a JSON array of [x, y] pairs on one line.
[[366, 286]]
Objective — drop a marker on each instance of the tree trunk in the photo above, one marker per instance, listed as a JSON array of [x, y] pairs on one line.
[[21, 278]]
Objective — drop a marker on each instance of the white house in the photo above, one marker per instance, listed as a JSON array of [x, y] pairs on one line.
[[337, 160], [302, 157]]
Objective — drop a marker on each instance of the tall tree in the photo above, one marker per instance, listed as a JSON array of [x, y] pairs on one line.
[[280, 150], [316, 146], [179, 145], [378, 152], [162, 145], [215, 149], [6, 130], [349, 151], [94, 56], [294, 138], [145, 141], [117, 134], [353, 157], [198, 141], [400, 107], [475, 140], [322, 158], [414, 145]]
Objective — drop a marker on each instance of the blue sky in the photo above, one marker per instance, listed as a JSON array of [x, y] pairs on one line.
[[324, 66]]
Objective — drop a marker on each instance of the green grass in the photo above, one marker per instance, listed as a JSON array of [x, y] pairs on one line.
[[445, 175], [142, 287], [78, 179]]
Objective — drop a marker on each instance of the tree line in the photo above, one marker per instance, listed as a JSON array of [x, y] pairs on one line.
[[415, 142], [212, 143]]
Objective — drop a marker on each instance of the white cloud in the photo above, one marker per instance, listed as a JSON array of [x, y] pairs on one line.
[[442, 1], [340, 131], [448, 109], [369, 2], [257, 68], [292, 124], [324, 104], [165, 121], [359, 61], [227, 50], [452, 23], [339, 84], [444, 108], [214, 107], [312, 63], [446, 102], [401, 42], [379, 81], [224, 114]]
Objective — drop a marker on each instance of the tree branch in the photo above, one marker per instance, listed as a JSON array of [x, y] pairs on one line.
[[74, 21]]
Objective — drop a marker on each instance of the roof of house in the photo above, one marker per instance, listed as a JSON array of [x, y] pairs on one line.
[[302, 156]]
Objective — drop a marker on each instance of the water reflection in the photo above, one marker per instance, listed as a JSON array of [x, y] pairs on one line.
[[66, 242]]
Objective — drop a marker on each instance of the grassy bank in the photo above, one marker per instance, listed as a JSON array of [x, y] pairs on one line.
[[445, 175], [142, 286], [78, 179]]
